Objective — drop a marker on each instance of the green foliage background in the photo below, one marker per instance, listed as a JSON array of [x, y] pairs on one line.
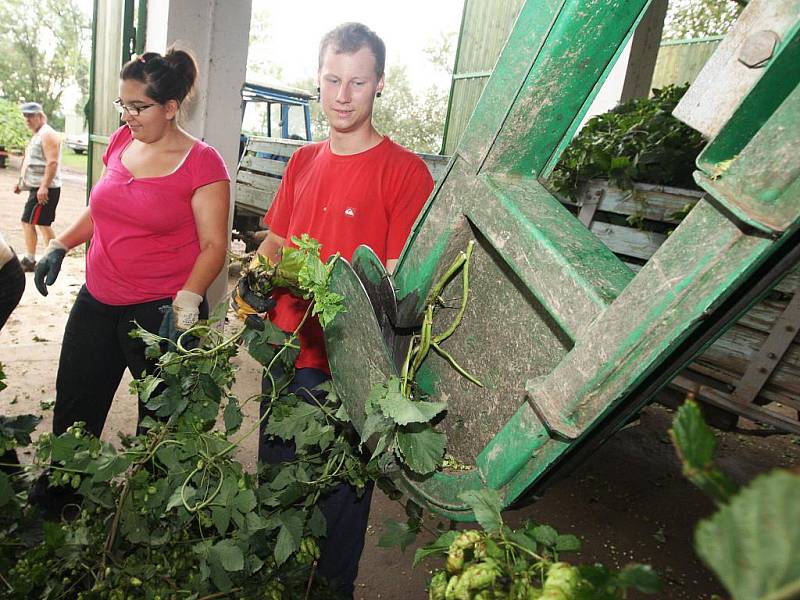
[[700, 18], [14, 133], [638, 141], [43, 45]]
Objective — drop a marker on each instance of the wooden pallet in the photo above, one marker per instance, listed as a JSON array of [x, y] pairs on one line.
[[753, 369]]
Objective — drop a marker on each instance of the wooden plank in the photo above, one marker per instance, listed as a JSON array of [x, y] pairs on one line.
[[627, 240], [790, 284], [255, 199], [763, 315], [276, 146], [263, 165], [257, 180], [656, 203]]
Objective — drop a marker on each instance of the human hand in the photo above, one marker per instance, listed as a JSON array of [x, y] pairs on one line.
[[186, 309], [48, 267], [180, 316], [42, 195], [249, 304]]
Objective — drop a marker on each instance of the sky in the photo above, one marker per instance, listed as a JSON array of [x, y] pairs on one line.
[[406, 27]]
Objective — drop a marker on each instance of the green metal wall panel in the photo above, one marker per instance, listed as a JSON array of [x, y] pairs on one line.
[[484, 30], [679, 62]]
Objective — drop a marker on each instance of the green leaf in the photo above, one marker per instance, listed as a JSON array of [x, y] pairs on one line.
[[341, 414], [221, 515], [752, 544], [375, 423], [397, 534], [695, 444], [54, 535], [317, 524], [175, 498], [376, 393], [440, 546], [291, 421], [289, 536], [545, 535], [232, 416], [640, 577], [404, 411], [245, 501], [522, 538], [146, 387], [229, 555], [486, 504], [567, 543], [422, 448]]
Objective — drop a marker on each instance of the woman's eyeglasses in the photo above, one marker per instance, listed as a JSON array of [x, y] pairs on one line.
[[131, 109]]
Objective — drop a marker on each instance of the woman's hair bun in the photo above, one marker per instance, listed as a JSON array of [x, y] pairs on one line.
[[168, 77]]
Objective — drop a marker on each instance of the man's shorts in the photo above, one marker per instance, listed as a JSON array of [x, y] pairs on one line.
[[41, 214]]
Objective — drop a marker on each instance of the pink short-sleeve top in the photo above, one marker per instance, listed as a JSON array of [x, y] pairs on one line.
[[145, 241]]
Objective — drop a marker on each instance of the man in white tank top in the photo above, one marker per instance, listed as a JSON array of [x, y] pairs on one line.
[[41, 177]]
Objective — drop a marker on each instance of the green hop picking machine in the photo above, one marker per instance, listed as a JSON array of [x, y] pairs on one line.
[[567, 341]]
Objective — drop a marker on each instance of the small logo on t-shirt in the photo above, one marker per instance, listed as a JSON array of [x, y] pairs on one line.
[[350, 212]]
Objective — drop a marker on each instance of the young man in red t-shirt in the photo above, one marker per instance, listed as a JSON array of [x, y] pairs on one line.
[[357, 187]]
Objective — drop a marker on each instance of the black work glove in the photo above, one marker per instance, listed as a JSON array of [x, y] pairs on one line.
[[249, 304], [48, 267]]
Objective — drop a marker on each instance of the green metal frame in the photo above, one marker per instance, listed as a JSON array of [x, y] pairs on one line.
[[558, 329], [90, 125]]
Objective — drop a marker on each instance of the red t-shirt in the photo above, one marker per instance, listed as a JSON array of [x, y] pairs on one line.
[[371, 198], [145, 243]]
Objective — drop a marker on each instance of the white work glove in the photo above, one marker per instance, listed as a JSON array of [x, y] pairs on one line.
[[186, 309]]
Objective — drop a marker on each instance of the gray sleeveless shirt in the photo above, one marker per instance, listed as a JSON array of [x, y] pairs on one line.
[[35, 162]]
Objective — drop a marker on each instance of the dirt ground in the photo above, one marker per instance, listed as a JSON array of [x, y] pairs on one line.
[[627, 503]]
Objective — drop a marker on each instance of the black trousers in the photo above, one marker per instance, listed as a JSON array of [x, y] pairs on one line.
[[12, 285], [346, 514], [95, 353]]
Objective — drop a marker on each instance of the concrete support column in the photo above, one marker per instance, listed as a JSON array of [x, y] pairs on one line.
[[217, 31]]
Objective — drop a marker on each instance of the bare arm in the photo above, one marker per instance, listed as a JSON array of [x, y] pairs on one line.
[[210, 205], [79, 232], [271, 247], [50, 147]]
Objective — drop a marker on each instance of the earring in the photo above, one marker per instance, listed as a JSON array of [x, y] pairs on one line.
[[378, 95]]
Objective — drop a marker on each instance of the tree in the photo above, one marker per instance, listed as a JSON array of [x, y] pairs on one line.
[[14, 134], [415, 120], [43, 48], [258, 63], [700, 18]]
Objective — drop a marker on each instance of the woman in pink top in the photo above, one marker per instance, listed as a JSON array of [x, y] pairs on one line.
[[157, 220]]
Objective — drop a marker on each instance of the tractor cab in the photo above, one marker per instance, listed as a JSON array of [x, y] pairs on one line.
[[272, 109]]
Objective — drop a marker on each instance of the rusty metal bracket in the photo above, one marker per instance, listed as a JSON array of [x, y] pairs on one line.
[[763, 362]]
